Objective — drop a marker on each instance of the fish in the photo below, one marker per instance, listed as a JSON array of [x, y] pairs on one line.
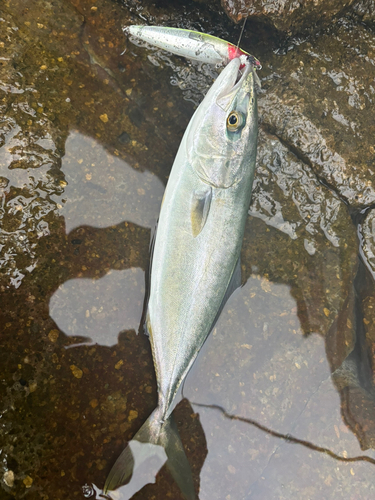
[[190, 44], [195, 264]]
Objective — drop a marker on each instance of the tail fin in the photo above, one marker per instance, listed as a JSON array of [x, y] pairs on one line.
[[163, 441]]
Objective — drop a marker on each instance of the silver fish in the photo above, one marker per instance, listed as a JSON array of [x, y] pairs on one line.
[[190, 44], [195, 262]]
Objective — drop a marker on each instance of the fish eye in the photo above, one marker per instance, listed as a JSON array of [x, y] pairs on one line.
[[235, 121]]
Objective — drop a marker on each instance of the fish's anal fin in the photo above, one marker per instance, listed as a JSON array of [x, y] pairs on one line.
[[199, 209], [235, 282]]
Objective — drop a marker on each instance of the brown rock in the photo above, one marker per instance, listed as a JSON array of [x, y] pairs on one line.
[[318, 100], [287, 16], [368, 240], [365, 10]]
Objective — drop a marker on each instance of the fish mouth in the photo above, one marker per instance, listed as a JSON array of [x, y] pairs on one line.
[[242, 74], [236, 81]]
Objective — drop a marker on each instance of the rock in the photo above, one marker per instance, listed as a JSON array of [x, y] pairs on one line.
[[287, 15], [318, 100], [319, 244], [8, 478], [354, 378], [69, 64], [365, 10], [365, 289], [367, 231]]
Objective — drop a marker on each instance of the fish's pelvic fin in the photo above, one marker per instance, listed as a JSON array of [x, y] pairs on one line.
[[166, 438]]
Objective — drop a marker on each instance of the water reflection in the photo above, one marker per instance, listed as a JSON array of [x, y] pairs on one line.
[[102, 189], [100, 309], [272, 383]]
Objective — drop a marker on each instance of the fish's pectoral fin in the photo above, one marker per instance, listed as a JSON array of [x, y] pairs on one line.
[[200, 207]]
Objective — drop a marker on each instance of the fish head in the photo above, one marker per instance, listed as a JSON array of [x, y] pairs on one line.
[[222, 135]]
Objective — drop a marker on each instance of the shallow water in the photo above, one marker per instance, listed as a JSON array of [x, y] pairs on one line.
[[279, 404]]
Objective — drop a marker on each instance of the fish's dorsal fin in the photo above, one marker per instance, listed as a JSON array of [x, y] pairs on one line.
[[199, 209]]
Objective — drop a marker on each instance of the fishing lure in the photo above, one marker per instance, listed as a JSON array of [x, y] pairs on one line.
[[191, 44]]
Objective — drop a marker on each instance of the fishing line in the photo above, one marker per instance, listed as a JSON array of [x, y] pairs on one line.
[[242, 30]]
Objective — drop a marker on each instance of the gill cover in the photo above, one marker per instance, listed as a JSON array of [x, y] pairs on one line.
[[217, 149]]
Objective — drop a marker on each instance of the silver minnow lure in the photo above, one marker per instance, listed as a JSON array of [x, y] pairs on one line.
[[190, 44], [195, 263]]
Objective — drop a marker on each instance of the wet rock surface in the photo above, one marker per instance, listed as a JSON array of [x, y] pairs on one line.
[[88, 135], [320, 105], [368, 240], [289, 16], [365, 10]]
